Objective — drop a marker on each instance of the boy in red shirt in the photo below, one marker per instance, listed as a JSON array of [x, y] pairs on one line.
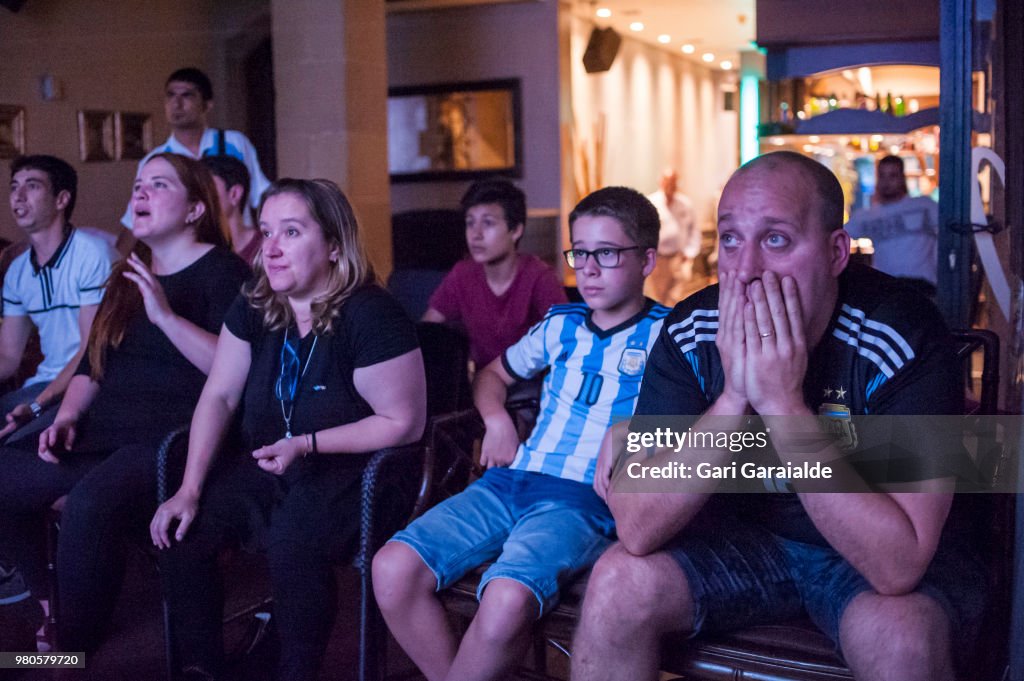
[[497, 293]]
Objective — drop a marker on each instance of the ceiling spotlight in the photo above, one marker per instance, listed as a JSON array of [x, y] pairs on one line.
[[688, 48], [604, 12], [726, 65], [636, 26], [664, 38], [708, 57]]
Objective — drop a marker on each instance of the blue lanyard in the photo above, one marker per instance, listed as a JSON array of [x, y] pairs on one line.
[[289, 378]]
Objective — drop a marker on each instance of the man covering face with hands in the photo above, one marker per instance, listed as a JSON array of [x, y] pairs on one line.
[[790, 333]]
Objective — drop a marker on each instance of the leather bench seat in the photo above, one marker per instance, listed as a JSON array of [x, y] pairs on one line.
[[794, 651]]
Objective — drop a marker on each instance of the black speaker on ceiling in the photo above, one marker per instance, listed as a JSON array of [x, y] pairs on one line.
[[601, 49], [13, 5]]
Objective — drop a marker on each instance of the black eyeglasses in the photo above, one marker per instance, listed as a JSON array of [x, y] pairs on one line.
[[576, 258]]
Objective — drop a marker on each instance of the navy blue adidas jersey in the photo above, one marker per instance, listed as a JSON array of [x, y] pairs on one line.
[[886, 351]]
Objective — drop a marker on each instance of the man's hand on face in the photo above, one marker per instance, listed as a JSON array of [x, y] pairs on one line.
[[732, 295], [775, 361]]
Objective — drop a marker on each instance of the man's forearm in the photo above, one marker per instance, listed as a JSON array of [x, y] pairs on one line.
[[8, 365], [878, 537], [646, 520], [890, 539]]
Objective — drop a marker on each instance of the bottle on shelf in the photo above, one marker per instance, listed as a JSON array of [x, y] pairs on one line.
[[889, 107], [901, 108]]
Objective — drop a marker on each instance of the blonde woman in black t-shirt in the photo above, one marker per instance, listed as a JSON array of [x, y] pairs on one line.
[[326, 369]]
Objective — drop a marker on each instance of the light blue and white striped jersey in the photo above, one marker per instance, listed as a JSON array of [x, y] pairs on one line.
[[594, 382]]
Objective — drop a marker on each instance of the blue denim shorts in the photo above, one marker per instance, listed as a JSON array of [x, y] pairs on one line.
[[539, 530], [740, 575]]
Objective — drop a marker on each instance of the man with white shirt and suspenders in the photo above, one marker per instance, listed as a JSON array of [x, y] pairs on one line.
[[188, 98]]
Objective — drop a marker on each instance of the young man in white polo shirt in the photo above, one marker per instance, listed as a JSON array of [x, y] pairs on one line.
[[188, 98], [56, 285]]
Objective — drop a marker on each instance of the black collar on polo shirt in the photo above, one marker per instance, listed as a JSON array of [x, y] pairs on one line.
[[57, 255]]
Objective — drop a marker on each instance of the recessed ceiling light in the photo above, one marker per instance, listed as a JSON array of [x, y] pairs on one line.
[[688, 48], [636, 26], [664, 38], [708, 57], [604, 12], [726, 65]]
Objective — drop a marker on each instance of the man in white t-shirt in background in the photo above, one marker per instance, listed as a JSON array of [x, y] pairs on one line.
[[56, 285], [904, 230], [678, 241], [188, 99]]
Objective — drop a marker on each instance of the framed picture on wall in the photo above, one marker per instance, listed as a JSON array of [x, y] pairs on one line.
[[134, 135], [12, 131], [411, 5], [96, 135], [454, 131]]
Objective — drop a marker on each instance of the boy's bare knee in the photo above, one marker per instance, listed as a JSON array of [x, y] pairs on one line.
[[508, 594], [399, 574], [506, 609]]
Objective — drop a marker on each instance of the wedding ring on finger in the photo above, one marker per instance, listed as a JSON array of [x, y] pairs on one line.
[[766, 334]]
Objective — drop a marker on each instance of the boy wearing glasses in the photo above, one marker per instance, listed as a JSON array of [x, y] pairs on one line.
[[535, 512]]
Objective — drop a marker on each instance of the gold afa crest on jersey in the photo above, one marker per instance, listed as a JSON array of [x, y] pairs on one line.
[[838, 424], [633, 361]]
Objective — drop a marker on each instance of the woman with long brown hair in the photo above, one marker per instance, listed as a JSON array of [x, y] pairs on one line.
[[149, 351], [326, 369]]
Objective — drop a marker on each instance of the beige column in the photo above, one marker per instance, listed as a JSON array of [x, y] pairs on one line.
[[330, 80]]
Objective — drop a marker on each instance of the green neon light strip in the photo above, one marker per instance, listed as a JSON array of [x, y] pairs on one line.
[[749, 116]]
